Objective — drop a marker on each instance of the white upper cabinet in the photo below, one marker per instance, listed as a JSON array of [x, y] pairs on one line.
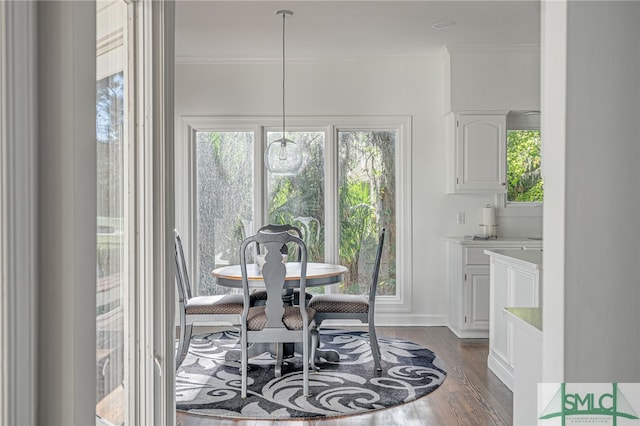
[[477, 153]]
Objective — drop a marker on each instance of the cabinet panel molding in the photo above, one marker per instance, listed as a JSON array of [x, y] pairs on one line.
[[514, 282], [477, 153]]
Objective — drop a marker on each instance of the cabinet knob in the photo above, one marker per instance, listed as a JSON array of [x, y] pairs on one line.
[[504, 183]]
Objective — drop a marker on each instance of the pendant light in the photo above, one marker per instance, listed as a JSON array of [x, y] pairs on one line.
[[283, 157]]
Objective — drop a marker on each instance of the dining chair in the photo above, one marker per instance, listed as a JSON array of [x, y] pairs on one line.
[[260, 296], [354, 307], [222, 309], [276, 322], [273, 228]]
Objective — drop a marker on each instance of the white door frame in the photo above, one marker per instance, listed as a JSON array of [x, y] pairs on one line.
[[154, 37], [23, 209]]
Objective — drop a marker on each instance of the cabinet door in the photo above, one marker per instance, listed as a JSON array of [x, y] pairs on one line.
[[480, 153], [476, 295]]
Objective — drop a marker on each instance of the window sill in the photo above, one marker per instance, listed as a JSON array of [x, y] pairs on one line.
[[517, 209]]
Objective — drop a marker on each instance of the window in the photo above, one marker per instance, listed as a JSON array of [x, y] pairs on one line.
[[224, 202], [525, 185], [524, 180], [347, 190], [112, 213], [366, 188], [111, 278], [299, 199]]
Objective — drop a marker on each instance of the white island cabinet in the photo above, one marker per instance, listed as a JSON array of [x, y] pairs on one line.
[[527, 362], [468, 282], [515, 281]]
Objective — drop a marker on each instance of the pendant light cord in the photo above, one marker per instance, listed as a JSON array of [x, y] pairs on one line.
[[284, 157], [284, 15]]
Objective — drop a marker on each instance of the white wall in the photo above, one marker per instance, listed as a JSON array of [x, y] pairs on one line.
[[600, 230], [399, 86], [494, 78]]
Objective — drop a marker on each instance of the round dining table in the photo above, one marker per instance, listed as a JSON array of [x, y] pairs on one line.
[[318, 274]]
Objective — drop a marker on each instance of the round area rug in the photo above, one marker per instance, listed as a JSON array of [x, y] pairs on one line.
[[206, 384]]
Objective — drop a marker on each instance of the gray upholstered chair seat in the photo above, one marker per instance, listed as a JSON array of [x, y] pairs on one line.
[[259, 297], [225, 304], [292, 319], [340, 303]]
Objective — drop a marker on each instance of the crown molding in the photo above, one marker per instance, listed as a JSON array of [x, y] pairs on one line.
[[469, 48], [201, 60], [207, 60]]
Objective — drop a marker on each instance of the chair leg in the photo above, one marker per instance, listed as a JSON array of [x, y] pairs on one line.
[[183, 346], [305, 364], [375, 348], [315, 342], [279, 359], [245, 362]]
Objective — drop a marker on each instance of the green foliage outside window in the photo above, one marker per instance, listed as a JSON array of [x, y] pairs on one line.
[[524, 179], [299, 199], [366, 183], [366, 202]]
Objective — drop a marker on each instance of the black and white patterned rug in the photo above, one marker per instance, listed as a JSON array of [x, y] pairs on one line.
[[206, 384]]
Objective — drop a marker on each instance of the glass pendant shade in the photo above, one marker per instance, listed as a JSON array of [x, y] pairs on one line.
[[283, 157]]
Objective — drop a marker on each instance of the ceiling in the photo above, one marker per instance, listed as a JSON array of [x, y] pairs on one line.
[[228, 31]]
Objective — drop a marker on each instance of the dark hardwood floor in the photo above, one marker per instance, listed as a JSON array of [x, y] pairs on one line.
[[470, 395]]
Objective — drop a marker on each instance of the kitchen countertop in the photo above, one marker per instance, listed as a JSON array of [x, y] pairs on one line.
[[529, 316], [496, 241], [530, 258]]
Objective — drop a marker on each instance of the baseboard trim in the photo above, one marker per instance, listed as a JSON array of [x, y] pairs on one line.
[[502, 371], [409, 320], [470, 334], [382, 320]]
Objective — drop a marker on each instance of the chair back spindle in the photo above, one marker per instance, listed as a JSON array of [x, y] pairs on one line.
[[273, 228], [184, 286], [373, 287]]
